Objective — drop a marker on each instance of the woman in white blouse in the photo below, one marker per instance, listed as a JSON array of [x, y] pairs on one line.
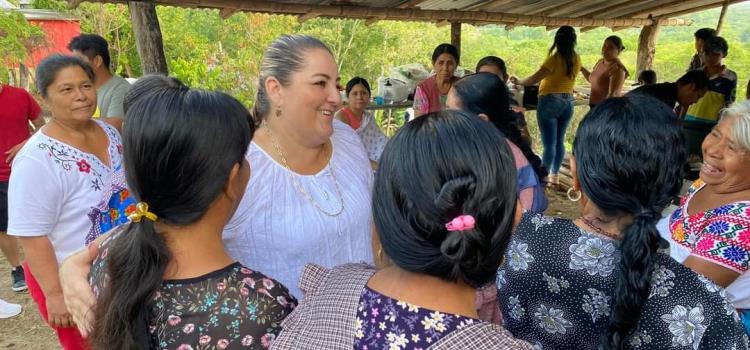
[[308, 198]]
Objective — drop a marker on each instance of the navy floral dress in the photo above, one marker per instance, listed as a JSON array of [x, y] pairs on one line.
[[386, 323], [556, 289], [231, 308]]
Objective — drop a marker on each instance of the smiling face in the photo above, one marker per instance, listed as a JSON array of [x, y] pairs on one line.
[[311, 97], [71, 96], [358, 97], [726, 165], [445, 65]]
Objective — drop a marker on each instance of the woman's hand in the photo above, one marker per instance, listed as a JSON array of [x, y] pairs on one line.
[[76, 289], [57, 314]]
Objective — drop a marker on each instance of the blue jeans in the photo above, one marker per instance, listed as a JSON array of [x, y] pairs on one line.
[[553, 114]]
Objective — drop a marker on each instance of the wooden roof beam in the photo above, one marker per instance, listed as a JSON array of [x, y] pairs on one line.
[[307, 16], [227, 12], [349, 11], [442, 23], [617, 29]]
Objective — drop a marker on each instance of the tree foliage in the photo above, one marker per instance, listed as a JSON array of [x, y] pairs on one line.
[[17, 38], [206, 51]]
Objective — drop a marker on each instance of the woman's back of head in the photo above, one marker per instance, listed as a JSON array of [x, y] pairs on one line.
[[176, 133], [486, 93], [629, 155], [455, 165], [565, 45], [179, 147]]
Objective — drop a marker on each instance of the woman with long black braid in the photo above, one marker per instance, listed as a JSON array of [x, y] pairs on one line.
[[601, 280]]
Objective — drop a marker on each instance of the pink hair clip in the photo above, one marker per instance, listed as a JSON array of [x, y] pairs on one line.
[[461, 223]]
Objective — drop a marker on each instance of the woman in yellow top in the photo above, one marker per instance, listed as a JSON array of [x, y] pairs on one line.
[[555, 109]]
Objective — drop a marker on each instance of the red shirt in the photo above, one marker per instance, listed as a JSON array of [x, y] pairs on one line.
[[17, 108]]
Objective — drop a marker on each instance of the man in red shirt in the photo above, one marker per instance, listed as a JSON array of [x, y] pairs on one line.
[[18, 108]]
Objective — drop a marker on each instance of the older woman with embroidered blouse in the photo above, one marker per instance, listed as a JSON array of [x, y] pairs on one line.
[[67, 186], [710, 231], [602, 281]]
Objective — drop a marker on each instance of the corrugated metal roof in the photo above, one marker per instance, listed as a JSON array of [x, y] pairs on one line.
[[46, 15], [589, 13]]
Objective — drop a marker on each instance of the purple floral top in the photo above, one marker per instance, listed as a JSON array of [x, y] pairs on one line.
[[386, 323], [231, 308]]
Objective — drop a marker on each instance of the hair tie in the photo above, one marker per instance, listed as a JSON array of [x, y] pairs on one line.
[[461, 223], [648, 215], [141, 211]]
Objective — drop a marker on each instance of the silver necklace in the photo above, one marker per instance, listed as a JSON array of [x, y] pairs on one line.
[[296, 183]]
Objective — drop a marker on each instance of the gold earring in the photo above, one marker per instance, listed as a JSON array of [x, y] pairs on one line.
[[574, 195], [380, 254], [278, 112]]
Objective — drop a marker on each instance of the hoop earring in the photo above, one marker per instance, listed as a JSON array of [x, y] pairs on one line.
[[570, 195]]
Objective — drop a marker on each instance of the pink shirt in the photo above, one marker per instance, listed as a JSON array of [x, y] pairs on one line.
[[600, 78]]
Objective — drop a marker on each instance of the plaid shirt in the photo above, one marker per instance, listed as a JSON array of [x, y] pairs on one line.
[[325, 319]]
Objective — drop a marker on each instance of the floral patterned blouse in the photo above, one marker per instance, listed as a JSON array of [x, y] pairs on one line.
[[386, 323], [231, 308], [720, 235], [556, 291]]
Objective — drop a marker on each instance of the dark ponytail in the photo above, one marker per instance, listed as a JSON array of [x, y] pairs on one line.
[[456, 166], [487, 94], [626, 171], [137, 261], [170, 143]]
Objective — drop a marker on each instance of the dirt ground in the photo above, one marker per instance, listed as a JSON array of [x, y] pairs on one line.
[[27, 331]]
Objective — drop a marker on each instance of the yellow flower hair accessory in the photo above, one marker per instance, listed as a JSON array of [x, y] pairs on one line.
[[141, 211]]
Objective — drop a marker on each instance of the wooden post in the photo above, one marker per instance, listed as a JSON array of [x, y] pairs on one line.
[[456, 35], [646, 47], [721, 17], [148, 36]]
